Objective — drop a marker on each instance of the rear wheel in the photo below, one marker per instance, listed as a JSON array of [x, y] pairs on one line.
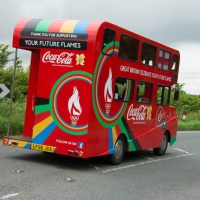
[[162, 149], [118, 155]]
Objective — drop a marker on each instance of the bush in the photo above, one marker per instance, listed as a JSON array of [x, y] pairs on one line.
[[17, 120]]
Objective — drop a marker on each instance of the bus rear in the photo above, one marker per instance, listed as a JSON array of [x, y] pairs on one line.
[[60, 84]]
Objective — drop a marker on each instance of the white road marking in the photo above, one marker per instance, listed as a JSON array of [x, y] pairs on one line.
[[94, 166], [9, 195], [147, 162], [145, 156], [181, 150]]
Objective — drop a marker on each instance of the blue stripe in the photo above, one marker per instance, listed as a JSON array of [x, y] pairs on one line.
[[27, 146], [41, 137], [111, 147], [81, 27]]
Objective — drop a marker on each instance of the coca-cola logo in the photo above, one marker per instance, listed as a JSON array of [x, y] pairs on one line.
[[136, 113], [63, 58]]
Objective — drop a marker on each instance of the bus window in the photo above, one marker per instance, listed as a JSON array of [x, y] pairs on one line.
[[144, 91], [163, 95], [128, 48], [175, 63], [163, 60], [109, 36], [123, 89], [148, 54]]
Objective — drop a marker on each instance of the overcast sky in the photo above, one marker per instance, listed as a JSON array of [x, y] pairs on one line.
[[175, 23]]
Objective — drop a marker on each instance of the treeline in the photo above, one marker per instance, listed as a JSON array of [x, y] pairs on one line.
[[188, 102]]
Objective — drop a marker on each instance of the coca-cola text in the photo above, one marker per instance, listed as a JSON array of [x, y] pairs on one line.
[[63, 58]]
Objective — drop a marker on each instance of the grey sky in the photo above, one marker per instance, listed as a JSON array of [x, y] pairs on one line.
[[175, 23]]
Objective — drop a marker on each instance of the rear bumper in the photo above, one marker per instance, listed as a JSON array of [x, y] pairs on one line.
[[17, 141]]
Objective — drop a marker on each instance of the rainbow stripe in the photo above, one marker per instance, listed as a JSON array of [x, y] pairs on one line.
[[105, 120], [55, 97], [62, 26], [71, 76]]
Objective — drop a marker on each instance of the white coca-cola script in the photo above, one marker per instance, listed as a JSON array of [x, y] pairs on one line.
[[136, 113], [63, 58]]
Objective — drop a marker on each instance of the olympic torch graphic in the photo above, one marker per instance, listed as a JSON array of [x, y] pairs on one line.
[[74, 107], [108, 94]]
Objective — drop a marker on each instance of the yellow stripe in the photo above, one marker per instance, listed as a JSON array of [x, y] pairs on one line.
[[38, 128], [68, 26], [114, 133], [21, 144]]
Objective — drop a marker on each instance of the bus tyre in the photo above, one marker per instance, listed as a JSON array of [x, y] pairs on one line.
[[162, 149], [118, 155]]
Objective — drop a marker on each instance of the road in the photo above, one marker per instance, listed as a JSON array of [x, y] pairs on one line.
[[27, 174]]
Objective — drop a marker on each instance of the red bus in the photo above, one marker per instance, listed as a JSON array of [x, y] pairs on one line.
[[95, 89]]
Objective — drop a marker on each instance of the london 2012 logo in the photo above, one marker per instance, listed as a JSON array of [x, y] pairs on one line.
[[69, 100], [108, 93], [106, 110], [74, 107]]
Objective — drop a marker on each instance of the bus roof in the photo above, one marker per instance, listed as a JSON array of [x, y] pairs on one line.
[[35, 27], [64, 29]]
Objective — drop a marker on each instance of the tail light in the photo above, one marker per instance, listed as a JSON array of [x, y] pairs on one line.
[[75, 153]]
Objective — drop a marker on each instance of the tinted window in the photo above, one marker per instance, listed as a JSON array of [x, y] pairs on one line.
[[109, 36], [128, 48], [175, 63], [144, 91], [148, 54], [123, 89], [163, 95]]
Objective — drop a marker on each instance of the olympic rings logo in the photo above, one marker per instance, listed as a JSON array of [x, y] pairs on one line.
[[107, 105], [74, 118]]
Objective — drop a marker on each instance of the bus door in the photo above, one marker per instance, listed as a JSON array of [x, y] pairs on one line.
[[162, 100]]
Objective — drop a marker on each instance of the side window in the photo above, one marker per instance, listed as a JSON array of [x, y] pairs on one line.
[[128, 48], [175, 63], [109, 36], [144, 91], [163, 95], [163, 59], [159, 95], [148, 54], [123, 89]]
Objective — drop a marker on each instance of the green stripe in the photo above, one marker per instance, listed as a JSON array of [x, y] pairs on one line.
[[123, 129], [172, 140], [43, 25], [93, 89], [42, 108]]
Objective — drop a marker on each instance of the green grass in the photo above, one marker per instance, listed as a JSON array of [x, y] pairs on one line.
[[192, 121], [188, 125]]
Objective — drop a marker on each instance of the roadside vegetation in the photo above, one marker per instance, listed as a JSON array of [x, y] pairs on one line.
[[187, 102]]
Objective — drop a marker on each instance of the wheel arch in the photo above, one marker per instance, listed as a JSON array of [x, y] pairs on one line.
[[169, 135], [125, 139]]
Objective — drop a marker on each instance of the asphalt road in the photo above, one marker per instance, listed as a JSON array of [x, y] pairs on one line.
[[27, 174]]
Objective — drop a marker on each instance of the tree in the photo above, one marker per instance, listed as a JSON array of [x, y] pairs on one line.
[[6, 73], [4, 55]]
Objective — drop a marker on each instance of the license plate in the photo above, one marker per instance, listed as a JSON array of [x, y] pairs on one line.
[[40, 147]]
